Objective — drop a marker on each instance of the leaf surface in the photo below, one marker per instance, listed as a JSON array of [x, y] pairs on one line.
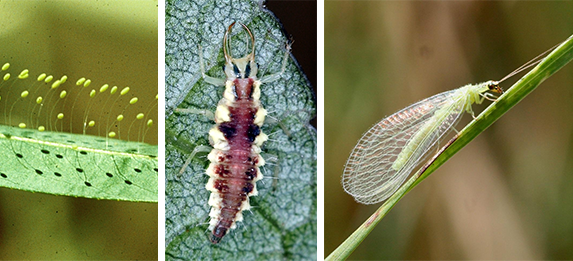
[[77, 165]]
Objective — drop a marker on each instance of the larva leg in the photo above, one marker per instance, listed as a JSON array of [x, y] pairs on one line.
[[200, 148], [271, 120], [276, 171], [271, 169], [209, 79], [274, 121], [275, 76], [207, 113]]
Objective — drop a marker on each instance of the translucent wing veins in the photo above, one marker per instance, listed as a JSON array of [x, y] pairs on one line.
[[369, 175]]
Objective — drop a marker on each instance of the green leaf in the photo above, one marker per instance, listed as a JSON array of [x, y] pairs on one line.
[[282, 223], [77, 165], [557, 59]]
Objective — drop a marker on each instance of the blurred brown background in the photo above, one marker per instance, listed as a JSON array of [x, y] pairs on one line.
[[509, 193], [112, 42]]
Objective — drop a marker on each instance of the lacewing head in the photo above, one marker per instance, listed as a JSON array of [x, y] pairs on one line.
[[494, 87]]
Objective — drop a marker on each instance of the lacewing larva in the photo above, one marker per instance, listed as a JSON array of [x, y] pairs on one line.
[[389, 151], [236, 138]]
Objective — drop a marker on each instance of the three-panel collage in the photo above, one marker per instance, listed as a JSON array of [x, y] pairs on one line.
[[286, 130]]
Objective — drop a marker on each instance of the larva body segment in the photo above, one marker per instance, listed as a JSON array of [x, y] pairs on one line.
[[236, 139]]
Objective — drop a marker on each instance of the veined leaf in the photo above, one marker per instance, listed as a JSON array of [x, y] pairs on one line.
[[77, 165], [282, 223]]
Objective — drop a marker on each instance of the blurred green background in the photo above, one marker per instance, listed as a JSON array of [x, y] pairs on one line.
[[111, 42], [509, 193]]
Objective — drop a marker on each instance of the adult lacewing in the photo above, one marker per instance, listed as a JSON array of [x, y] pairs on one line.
[[389, 151]]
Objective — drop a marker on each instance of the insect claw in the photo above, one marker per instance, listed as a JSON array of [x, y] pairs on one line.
[[227, 43]]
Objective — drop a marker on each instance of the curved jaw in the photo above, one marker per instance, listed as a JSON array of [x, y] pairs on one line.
[[244, 67]]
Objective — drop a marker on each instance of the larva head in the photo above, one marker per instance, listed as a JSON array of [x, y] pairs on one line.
[[494, 87], [239, 67]]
